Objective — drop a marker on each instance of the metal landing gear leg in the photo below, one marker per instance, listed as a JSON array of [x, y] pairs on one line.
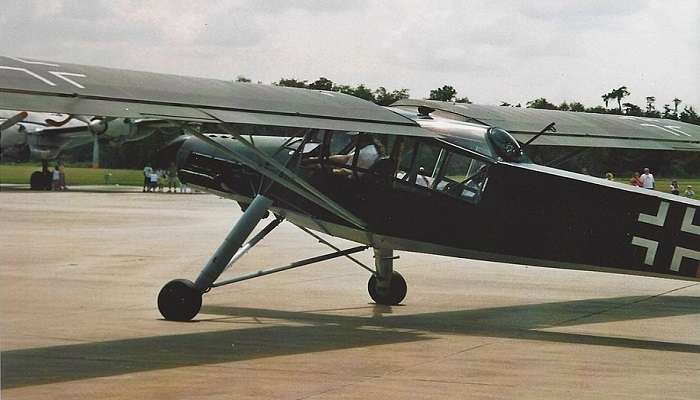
[[386, 287], [180, 299]]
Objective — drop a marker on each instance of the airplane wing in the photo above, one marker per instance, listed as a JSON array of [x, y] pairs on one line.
[[575, 129], [34, 85]]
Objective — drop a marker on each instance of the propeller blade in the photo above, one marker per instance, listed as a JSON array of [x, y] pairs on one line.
[[19, 117], [56, 124]]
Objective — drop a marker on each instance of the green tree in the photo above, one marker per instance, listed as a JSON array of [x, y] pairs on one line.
[[384, 98], [577, 106], [291, 83], [541, 103], [360, 91], [667, 112], [463, 100], [619, 94], [564, 106], [650, 104], [606, 98], [505, 104], [445, 93], [632, 109], [597, 110], [242, 79], [676, 103], [689, 115], [321, 84]]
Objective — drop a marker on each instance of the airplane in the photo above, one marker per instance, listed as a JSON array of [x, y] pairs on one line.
[[45, 136], [418, 176]]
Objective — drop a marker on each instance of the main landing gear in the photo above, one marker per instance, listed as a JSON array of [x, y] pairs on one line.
[[41, 180], [181, 299]]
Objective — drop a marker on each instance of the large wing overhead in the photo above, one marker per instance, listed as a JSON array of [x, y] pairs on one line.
[[79, 89], [574, 128]]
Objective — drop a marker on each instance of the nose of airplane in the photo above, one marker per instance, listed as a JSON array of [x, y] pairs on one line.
[[170, 153]]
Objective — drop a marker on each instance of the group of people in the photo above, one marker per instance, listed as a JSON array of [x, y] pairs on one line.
[[157, 179], [646, 181], [58, 177]]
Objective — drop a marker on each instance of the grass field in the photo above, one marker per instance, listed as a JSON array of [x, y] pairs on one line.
[[19, 173], [664, 185]]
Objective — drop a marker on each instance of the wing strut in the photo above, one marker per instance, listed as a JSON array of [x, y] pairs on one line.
[[281, 175]]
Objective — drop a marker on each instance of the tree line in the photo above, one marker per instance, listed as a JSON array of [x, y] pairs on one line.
[[448, 93]]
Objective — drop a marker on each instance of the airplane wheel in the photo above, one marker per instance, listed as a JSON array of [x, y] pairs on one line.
[[179, 300], [391, 296], [37, 181]]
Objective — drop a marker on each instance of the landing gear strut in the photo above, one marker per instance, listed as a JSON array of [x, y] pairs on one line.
[[181, 299], [387, 286]]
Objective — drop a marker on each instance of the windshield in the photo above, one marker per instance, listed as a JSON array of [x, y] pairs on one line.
[[468, 136]]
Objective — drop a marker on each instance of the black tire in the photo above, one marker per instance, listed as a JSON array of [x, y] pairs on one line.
[[391, 296], [38, 181], [179, 300]]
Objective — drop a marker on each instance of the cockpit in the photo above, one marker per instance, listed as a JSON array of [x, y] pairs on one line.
[[455, 161]]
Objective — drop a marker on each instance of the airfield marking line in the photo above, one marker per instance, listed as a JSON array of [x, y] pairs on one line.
[[623, 305]]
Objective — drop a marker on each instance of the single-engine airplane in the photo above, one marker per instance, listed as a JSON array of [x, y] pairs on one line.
[[419, 176]]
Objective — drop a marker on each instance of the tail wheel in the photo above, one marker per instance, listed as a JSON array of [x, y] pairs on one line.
[[390, 296]]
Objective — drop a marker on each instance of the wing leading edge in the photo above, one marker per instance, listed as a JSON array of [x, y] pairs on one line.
[[574, 128], [87, 90]]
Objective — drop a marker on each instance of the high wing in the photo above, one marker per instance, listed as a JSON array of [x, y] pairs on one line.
[[575, 129], [86, 90]]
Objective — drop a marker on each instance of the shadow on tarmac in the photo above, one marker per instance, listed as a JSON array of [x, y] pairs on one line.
[[318, 331]]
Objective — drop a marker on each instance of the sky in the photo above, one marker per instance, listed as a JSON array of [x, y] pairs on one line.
[[490, 51]]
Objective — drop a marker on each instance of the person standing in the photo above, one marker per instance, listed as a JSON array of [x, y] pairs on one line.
[[674, 187], [62, 176], [173, 181], [647, 179], [55, 179], [147, 171], [689, 192], [636, 180]]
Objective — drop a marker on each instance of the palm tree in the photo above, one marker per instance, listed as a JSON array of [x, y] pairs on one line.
[[619, 94], [676, 103], [606, 98], [650, 103]]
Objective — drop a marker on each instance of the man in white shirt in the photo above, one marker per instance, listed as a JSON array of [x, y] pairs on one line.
[[647, 179], [367, 156]]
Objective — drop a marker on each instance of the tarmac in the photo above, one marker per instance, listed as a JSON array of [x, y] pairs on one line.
[[80, 272]]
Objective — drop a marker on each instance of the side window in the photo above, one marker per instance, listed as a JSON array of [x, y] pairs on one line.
[[463, 177], [340, 143], [442, 169], [455, 169], [418, 162]]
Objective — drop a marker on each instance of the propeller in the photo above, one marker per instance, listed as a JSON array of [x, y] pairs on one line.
[[19, 117], [96, 125]]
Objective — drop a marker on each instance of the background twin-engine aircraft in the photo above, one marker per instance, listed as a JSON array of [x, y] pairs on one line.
[[421, 176]]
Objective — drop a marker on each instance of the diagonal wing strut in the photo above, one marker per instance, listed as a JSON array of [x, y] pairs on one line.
[[281, 175]]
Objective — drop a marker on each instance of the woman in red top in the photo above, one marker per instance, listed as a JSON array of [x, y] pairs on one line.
[[636, 180]]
